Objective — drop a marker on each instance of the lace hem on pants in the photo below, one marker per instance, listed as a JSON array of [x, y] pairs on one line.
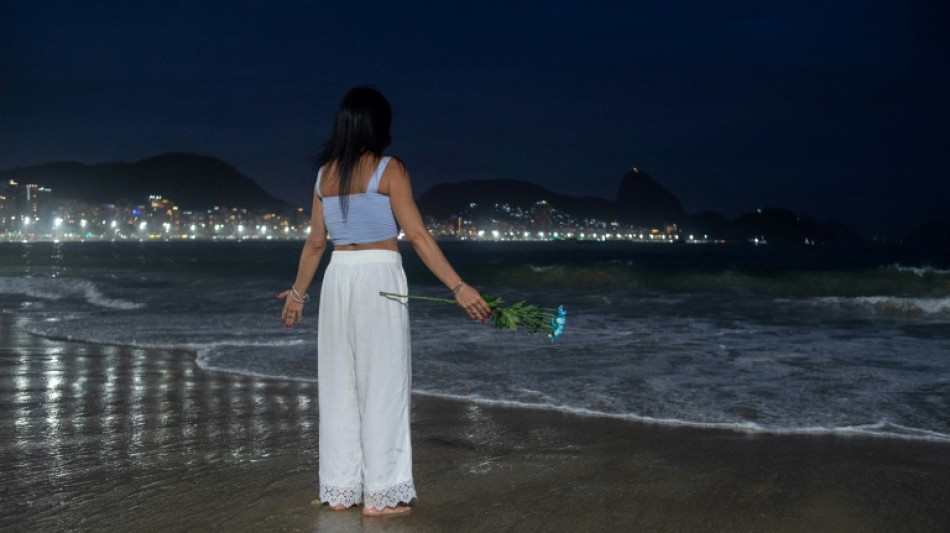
[[390, 496], [346, 496]]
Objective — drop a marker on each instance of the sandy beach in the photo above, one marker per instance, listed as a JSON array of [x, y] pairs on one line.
[[109, 438]]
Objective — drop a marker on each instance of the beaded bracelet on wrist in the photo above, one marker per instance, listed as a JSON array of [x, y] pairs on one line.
[[297, 297]]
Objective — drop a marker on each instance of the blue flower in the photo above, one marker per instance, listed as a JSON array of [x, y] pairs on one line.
[[557, 323]]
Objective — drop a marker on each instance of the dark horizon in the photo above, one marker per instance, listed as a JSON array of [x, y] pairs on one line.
[[830, 110]]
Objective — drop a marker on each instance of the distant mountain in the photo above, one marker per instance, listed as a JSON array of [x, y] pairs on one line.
[[191, 181], [199, 182], [778, 225], [641, 201], [446, 200], [933, 234]]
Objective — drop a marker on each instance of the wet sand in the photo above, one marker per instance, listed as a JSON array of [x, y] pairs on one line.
[[107, 438]]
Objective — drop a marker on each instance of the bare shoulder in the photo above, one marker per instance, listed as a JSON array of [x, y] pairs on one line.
[[396, 166], [395, 174]]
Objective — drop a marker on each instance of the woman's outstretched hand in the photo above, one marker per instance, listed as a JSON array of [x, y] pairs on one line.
[[293, 311], [473, 303]]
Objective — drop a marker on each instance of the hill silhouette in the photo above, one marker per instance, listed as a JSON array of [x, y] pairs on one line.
[[198, 182], [641, 201], [448, 199], [782, 226], [647, 202], [933, 234], [191, 181]]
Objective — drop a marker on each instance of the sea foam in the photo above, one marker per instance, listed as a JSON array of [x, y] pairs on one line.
[[61, 288], [893, 305]]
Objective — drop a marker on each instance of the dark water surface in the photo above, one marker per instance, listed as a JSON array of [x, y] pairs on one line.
[[798, 339]]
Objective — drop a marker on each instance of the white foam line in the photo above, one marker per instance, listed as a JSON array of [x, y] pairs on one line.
[[897, 303], [101, 342], [43, 288], [251, 344], [193, 346], [920, 271], [748, 427], [224, 370]]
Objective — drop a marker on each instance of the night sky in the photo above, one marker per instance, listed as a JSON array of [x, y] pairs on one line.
[[829, 108]]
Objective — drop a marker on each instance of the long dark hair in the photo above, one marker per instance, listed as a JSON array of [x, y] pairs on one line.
[[361, 126]]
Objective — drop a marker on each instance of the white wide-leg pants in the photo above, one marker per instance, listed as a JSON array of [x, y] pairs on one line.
[[364, 381]]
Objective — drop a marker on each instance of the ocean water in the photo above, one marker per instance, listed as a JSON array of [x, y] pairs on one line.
[[770, 339]]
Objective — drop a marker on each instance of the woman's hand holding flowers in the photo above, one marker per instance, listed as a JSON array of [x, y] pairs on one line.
[[472, 302], [520, 315]]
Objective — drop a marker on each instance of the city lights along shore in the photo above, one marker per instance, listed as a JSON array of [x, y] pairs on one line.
[[180, 196]]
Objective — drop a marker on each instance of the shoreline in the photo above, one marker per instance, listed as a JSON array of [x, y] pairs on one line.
[[751, 430], [914, 435], [117, 438]]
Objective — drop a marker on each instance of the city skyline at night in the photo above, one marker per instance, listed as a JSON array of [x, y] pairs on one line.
[[186, 196]]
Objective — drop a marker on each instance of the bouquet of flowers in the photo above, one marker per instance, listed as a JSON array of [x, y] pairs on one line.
[[531, 318]]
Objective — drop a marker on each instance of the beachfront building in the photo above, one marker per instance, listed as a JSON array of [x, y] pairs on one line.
[[26, 210]]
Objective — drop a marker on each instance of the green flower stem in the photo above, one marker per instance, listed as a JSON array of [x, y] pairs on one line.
[[444, 300], [426, 298], [513, 317]]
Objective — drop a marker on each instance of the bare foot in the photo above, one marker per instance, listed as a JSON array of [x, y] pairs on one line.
[[339, 507], [386, 511]]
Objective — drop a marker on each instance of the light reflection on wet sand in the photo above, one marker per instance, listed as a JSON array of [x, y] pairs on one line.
[[96, 422]]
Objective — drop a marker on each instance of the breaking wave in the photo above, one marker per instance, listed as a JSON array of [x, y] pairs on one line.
[[893, 305], [63, 288]]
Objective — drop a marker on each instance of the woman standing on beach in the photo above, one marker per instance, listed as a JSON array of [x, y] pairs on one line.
[[363, 353]]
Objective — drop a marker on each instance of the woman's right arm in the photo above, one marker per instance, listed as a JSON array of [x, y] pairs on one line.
[[310, 257], [396, 180]]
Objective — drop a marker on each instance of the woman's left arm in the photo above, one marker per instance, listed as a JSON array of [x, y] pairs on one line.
[[396, 184]]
